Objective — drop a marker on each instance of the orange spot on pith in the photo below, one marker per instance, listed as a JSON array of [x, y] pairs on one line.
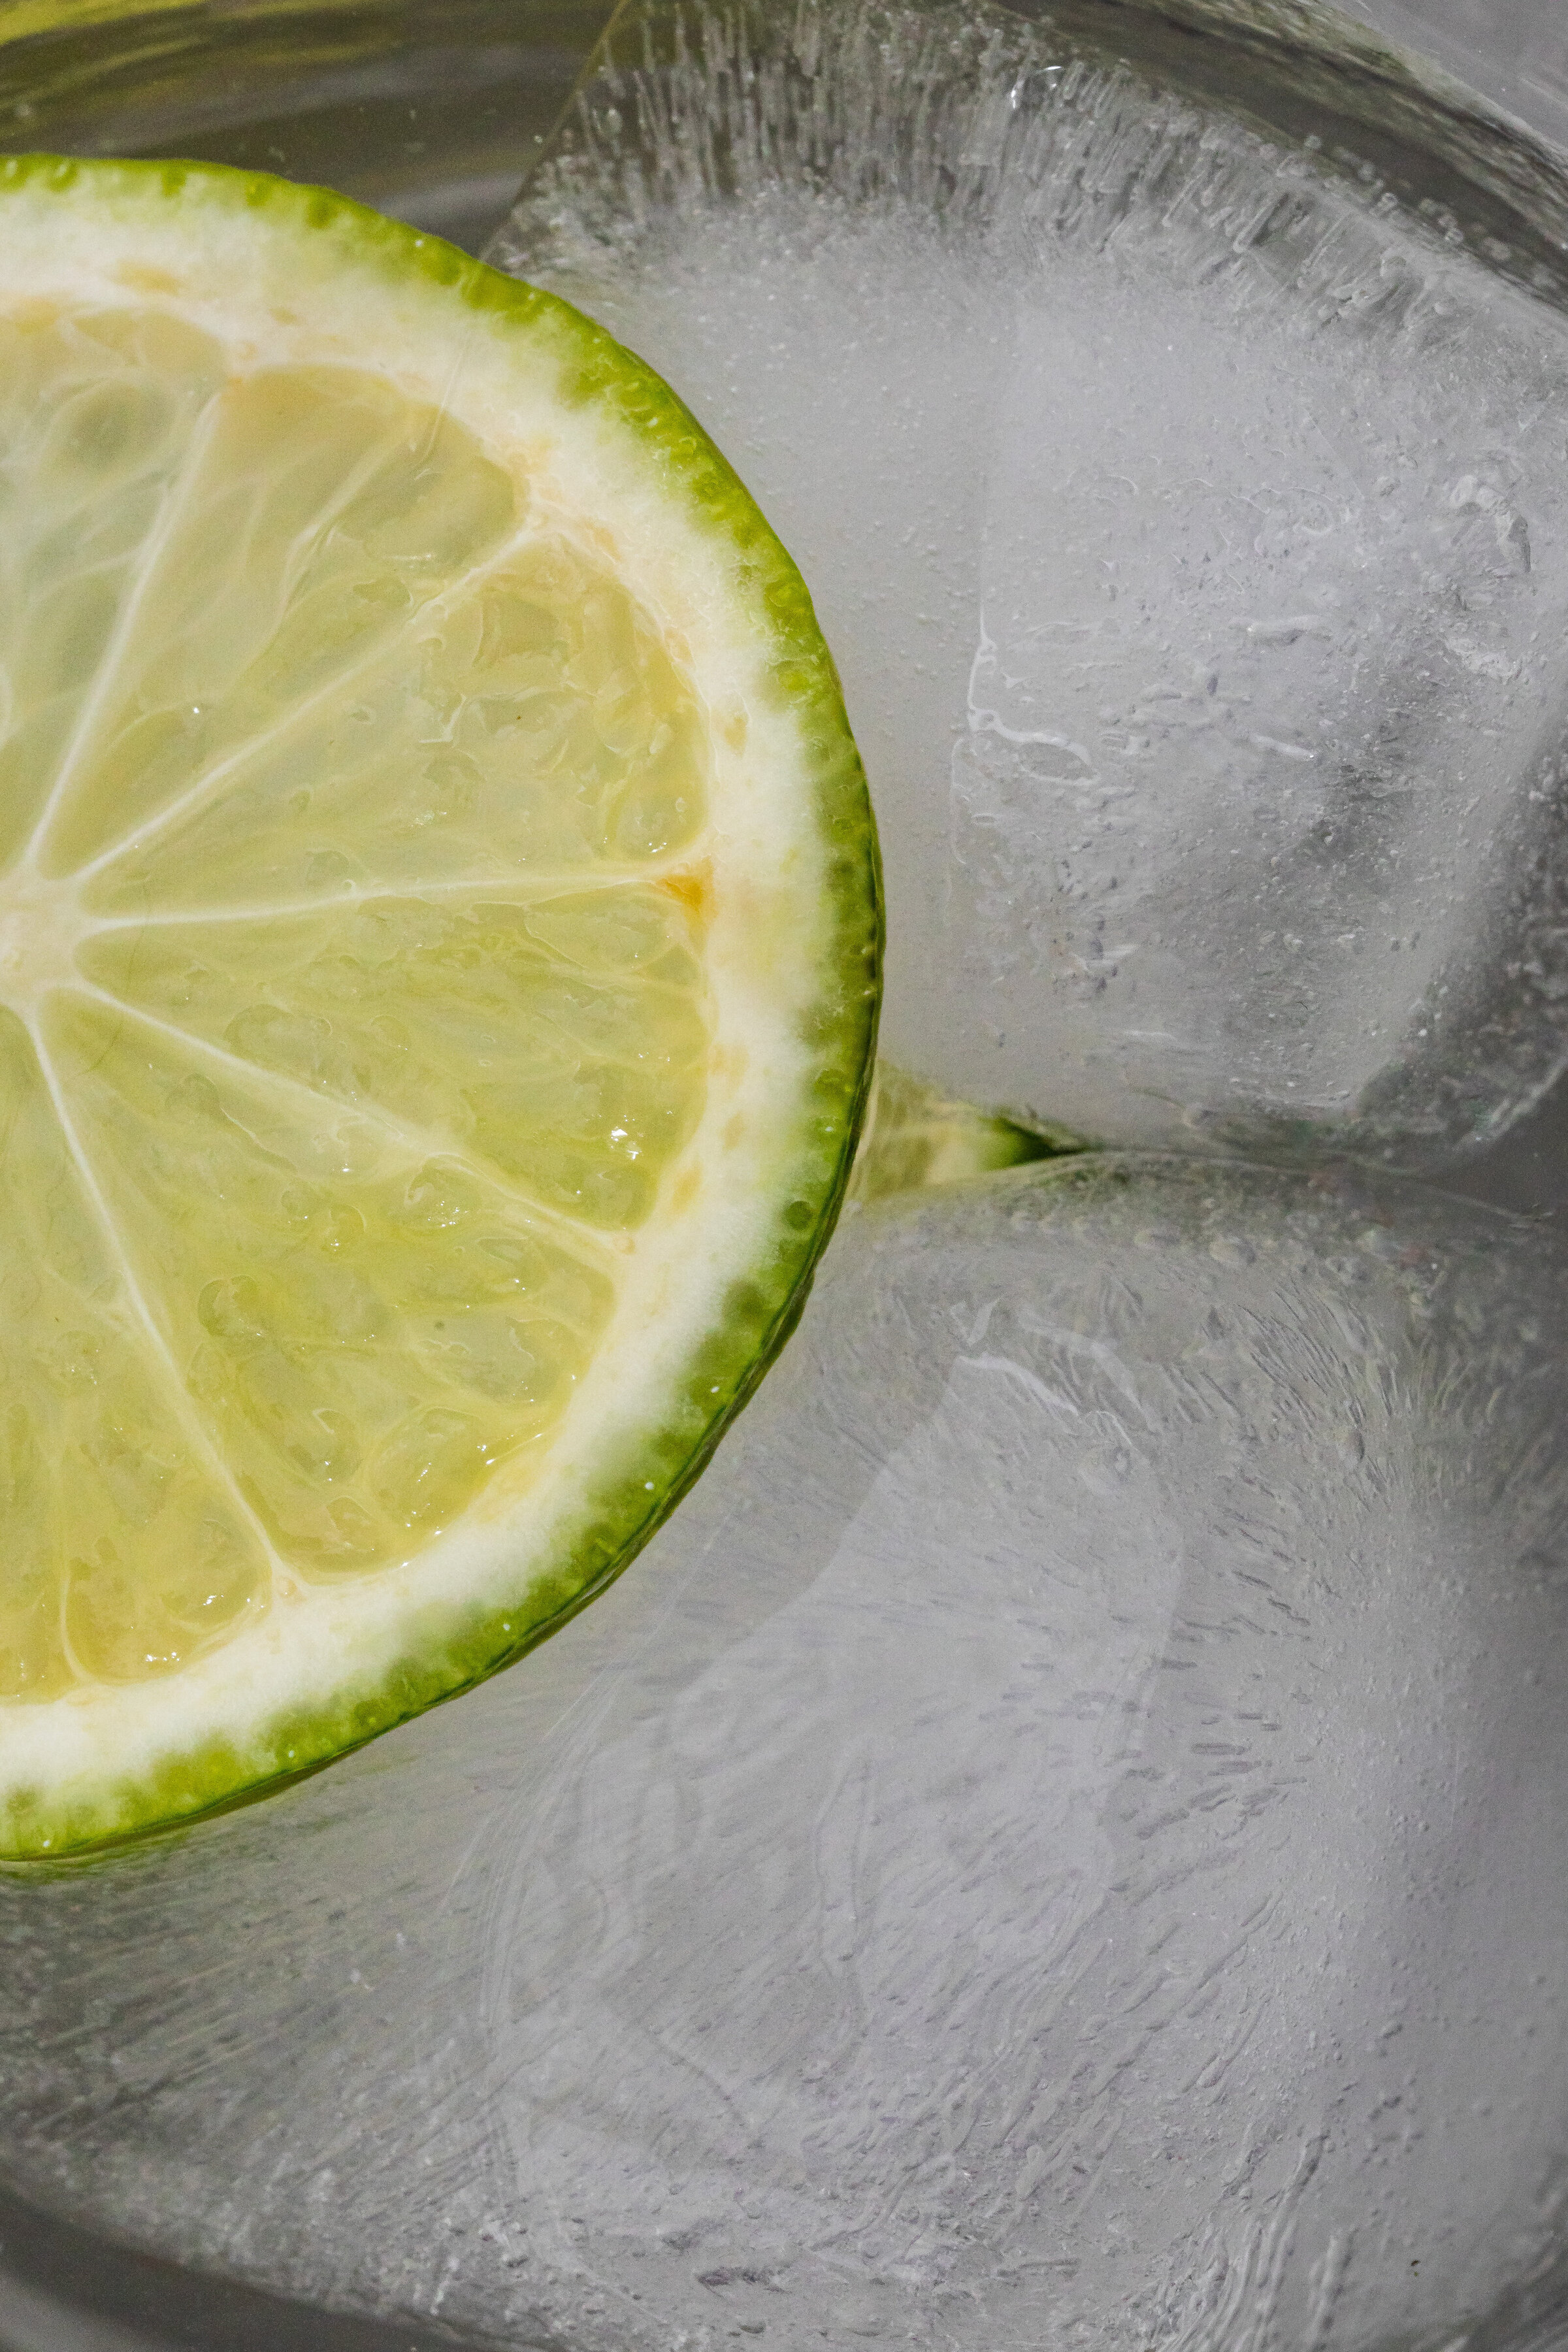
[[692, 887]]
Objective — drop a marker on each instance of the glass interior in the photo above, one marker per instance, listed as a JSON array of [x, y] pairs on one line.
[[434, 113], [428, 112], [1514, 51]]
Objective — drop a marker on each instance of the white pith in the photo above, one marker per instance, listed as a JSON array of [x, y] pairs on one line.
[[248, 280]]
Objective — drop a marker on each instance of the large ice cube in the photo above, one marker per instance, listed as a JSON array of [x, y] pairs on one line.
[[1057, 1843], [1187, 508]]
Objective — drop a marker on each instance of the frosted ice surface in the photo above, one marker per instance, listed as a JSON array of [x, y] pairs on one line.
[[1057, 1843], [1188, 518]]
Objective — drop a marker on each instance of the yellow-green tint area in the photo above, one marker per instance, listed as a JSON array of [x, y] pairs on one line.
[[125, 1555], [534, 720], [21, 20]]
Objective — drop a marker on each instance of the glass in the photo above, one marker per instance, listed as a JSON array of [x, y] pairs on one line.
[[258, 2084], [427, 112], [1514, 51]]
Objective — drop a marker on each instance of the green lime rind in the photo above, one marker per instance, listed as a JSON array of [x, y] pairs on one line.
[[450, 1649]]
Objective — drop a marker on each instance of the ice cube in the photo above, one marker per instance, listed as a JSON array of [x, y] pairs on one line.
[[1057, 1843], [1186, 503]]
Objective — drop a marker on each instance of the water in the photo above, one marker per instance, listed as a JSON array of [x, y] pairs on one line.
[[1186, 503], [1056, 1842]]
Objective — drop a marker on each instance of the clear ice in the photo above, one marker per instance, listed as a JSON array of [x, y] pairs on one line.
[[1189, 516], [1057, 1843]]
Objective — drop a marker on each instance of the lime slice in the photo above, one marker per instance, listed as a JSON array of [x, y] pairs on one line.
[[916, 1135], [438, 961]]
